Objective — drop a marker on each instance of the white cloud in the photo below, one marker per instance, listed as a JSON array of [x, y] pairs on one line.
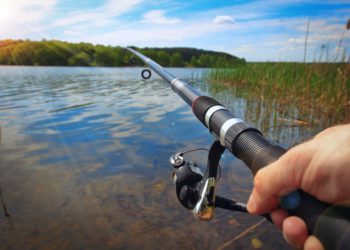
[[77, 17], [158, 17], [100, 15], [117, 7], [72, 32], [22, 17], [224, 20], [143, 34], [321, 31], [246, 48]]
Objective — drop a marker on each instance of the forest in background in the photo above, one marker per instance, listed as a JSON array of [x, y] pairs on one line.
[[59, 53]]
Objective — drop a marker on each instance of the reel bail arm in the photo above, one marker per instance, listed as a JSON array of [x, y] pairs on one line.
[[206, 204]]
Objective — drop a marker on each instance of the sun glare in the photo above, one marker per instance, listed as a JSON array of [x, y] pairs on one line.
[[7, 10]]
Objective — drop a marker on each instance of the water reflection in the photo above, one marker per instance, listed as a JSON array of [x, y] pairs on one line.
[[285, 125], [84, 161]]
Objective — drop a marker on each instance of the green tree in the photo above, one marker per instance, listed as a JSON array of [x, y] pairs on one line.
[[5, 56], [80, 59], [193, 62], [22, 54], [163, 58], [151, 53], [176, 60], [103, 56]]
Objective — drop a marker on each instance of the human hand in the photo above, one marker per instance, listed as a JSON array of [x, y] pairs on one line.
[[320, 167]]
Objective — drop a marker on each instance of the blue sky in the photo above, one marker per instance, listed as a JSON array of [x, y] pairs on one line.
[[257, 30]]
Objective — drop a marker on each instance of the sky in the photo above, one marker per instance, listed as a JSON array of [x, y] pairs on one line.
[[257, 30]]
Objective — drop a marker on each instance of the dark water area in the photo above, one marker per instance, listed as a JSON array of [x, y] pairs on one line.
[[84, 162]]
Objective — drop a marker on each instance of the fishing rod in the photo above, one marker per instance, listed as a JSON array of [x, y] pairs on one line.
[[329, 223]]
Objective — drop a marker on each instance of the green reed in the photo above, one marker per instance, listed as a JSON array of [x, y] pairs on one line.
[[320, 87]]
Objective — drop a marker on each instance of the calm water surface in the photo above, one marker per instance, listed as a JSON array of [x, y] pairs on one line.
[[84, 162]]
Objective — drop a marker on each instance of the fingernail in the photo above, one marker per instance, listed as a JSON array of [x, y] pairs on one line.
[[285, 238], [297, 245], [251, 204]]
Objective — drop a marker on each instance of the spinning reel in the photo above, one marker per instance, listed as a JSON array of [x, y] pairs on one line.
[[195, 190]]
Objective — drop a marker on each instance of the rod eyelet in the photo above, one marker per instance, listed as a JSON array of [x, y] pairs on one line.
[[146, 74]]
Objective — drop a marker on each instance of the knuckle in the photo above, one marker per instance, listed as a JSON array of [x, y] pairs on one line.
[[258, 181]]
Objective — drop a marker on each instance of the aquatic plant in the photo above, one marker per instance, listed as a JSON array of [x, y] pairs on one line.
[[322, 87]]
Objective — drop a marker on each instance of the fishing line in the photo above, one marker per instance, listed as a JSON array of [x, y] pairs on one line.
[[3, 203], [170, 132], [195, 149], [166, 122]]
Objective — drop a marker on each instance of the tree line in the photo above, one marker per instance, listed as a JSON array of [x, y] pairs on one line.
[[59, 53]]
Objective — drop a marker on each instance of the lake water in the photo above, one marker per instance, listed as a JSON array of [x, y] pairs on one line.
[[84, 161]]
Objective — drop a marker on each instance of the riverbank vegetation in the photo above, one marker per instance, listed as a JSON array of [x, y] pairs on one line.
[[320, 87], [58, 53], [312, 87]]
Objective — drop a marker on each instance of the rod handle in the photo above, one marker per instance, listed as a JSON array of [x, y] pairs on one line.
[[329, 223]]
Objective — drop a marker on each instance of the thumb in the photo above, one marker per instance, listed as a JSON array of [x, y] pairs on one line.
[[277, 179]]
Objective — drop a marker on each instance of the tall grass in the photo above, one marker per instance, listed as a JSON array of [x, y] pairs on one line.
[[317, 87], [323, 87]]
